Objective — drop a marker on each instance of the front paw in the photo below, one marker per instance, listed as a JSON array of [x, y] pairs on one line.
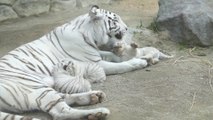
[[137, 63]]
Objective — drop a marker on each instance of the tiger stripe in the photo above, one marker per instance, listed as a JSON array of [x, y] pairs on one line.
[[29, 79]]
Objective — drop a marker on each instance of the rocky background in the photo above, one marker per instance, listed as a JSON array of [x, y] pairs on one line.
[[10, 9], [187, 22]]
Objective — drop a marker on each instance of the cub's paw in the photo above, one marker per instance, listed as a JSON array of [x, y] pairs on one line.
[[137, 63], [99, 114], [97, 97]]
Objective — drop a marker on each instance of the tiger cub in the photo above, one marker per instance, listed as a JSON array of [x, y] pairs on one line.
[[126, 52]]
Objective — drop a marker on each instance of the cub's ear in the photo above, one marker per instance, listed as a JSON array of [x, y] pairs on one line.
[[134, 45], [93, 9], [94, 13]]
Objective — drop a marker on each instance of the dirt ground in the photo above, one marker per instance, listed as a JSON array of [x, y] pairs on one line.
[[176, 89]]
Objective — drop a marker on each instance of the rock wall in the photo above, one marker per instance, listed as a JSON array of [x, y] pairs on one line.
[[11, 9]]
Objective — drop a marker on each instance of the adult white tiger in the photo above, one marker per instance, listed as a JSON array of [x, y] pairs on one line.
[[29, 81]]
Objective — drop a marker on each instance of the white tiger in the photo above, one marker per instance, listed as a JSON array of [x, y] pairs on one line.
[[34, 77]]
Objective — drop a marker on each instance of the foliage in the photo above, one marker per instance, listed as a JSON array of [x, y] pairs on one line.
[[140, 25], [153, 26]]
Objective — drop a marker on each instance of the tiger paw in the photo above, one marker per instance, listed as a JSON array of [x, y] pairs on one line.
[[97, 97], [137, 63], [100, 114]]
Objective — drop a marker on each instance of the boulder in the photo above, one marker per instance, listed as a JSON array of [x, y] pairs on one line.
[[188, 21], [31, 7], [6, 13], [7, 2]]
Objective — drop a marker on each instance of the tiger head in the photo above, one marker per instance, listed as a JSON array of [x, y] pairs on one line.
[[110, 27]]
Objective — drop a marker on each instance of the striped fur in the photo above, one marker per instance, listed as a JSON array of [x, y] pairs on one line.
[[35, 77]]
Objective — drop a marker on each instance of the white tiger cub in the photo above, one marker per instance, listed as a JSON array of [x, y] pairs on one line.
[[123, 52], [30, 81], [75, 77]]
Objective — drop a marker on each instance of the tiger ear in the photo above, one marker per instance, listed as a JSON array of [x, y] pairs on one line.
[[94, 13]]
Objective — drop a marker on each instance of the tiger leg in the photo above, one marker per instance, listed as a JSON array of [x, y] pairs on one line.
[[147, 56], [86, 98], [48, 100], [62, 111], [109, 56], [122, 67], [8, 116]]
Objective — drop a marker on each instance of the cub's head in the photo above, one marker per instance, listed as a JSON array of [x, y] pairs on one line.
[[108, 26], [121, 49]]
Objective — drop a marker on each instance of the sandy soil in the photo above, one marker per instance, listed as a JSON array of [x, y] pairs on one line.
[[175, 89]]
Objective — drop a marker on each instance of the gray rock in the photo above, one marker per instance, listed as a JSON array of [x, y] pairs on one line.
[[8, 2], [58, 5], [31, 7], [188, 21], [6, 13]]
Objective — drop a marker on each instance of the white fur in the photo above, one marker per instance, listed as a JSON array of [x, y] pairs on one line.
[[32, 77], [124, 52], [151, 54]]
